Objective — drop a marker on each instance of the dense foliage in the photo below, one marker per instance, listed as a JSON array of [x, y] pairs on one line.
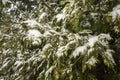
[[59, 40]]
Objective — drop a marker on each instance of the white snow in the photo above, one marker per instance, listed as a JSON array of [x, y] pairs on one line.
[[88, 47], [46, 47], [12, 7], [74, 11], [18, 63], [54, 32], [5, 64], [116, 12], [5, 1], [60, 17], [47, 34], [60, 51], [92, 41], [90, 50], [19, 56], [105, 36], [77, 36], [92, 61], [79, 50], [43, 15], [68, 45], [31, 23], [103, 39], [109, 53], [49, 70], [37, 42], [34, 36], [93, 14]]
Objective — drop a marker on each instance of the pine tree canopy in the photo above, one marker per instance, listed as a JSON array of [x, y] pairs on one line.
[[59, 39]]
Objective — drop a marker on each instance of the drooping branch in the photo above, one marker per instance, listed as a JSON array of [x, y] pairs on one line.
[[45, 4]]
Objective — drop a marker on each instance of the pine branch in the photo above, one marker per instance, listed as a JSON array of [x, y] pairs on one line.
[[50, 8]]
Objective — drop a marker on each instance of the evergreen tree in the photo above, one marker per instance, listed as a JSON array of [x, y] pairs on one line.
[[59, 39]]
